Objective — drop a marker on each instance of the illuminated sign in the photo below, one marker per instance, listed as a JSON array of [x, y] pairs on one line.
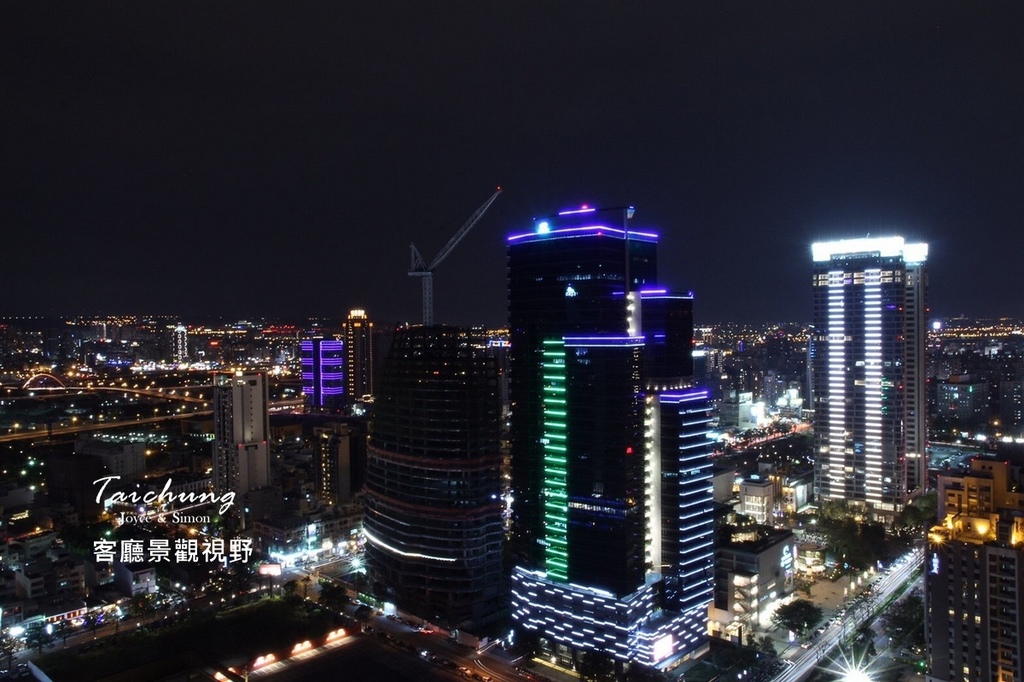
[[787, 558], [270, 569], [663, 648]]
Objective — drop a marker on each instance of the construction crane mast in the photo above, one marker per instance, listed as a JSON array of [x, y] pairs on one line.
[[418, 268]]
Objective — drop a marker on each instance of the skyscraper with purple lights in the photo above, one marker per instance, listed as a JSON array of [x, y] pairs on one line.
[[610, 457], [323, 373]]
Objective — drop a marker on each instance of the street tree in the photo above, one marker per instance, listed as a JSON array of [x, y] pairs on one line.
[[798, 615], [38, 637], [8, 647]]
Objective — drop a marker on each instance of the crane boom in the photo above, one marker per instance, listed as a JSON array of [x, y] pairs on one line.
[[418, 267]]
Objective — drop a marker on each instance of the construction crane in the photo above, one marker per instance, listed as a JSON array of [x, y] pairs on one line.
[[418, 268]]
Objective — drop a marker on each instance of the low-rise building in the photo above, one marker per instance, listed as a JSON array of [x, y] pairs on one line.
[[134, 579], [289, 539], [757, 499], [754, 569]]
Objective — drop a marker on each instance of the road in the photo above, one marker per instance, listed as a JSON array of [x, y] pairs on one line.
[[893, 582], [41, 432]]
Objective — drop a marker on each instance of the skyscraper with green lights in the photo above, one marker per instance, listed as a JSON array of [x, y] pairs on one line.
[[612, 533]]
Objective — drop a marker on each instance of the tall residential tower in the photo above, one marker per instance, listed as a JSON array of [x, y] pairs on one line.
[[241, 454], [359, 341], [867, 360]]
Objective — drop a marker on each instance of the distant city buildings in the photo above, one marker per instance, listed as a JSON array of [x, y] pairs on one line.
[[965, 399], [612, 490], [974, 575], [1011, 405], [433, 521], [124, 459], [867, 360], [241, 454]]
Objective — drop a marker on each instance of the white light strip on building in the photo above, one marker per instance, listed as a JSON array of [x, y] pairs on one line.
[[411, 555]]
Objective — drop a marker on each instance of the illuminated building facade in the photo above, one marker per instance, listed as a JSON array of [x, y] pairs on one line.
[[974, 576], [433, 519], [323, 373], [612, 491], [179, 341], [754, 567], [359, 340], [241, 455], [868, 371]]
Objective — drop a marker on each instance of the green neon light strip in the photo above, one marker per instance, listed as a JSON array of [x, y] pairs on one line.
[[556, 495]]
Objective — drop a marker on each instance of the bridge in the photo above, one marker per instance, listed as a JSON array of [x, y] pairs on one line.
[[170, 393]]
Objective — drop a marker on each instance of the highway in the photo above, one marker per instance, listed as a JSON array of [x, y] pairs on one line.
[[41, 433], [891, 583]]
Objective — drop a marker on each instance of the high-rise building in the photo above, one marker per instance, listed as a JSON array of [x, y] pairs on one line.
[[867, 360], [915, 338], [179, 338], [241, 455], [359, 338], [323, 373], [433, 520], [612, 491], [332, 466], [974, 575]]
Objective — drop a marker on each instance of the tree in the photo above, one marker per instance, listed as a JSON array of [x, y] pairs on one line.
[[142, 605], [904, 621], [8, 647], [798, 615], [333, 596], [64, 629], [803, 585], [92, 621], [240, 577], [38, 637], [767, 645]]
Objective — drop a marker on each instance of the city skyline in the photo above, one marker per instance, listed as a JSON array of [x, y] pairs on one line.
[[151, 149]]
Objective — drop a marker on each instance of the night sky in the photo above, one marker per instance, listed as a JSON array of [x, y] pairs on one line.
[[252, 159]]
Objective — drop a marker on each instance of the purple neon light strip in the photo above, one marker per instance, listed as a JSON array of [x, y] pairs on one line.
[[589, 230], [604, 340], [696, 394]]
